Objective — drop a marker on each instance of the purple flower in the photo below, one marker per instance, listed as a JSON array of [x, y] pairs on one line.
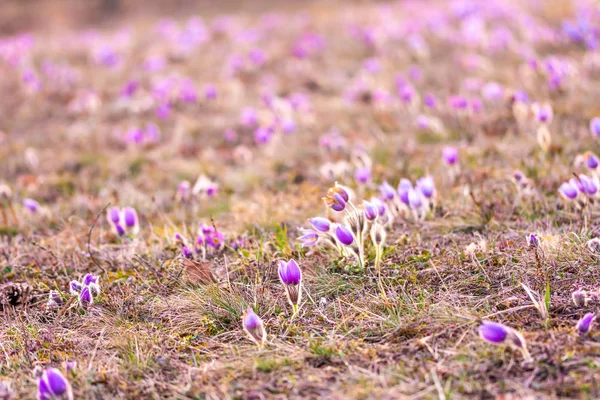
[[591, 161], [288, 126], [114, 215], [532, 240], [589, 186], [584, 325], [210, 92], [450, 155], [214, 239], [130, 218], [362, 174], [568, 191], [415, 198], [289, 272], [492, 91], [344, 235], [85, 297], [458, 102], [379, 204], [309, 238], [53, 385], [493, 332], [430, 101], [320, 224], [404, 188], [187, 253], [163, 110], [336, 198], [542, 112], [595, 126], [426, 186], [262, 135], [371, 211], [254, 327], [120, 230], [89, 279], [130, 88], [249, 117], [387, 191], [32, 205]]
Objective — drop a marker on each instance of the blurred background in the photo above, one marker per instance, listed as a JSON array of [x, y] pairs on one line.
[[39, 15]]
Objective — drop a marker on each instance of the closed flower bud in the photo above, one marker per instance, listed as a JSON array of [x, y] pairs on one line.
[[568, 191], [254, 327], [309, 238], [378, 234], [85, 297], [320, 224], [450, 155], [496, 333], [371, 211], [291, 278], [344, 235], [584, 325], [52, 385]]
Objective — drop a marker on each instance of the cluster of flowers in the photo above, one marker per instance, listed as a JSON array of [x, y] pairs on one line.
[[582, 189], [416, 200], [349, 237], [85, 290], [143, 137], [581, 299], [123, 222], [207, 238], [290, 276]]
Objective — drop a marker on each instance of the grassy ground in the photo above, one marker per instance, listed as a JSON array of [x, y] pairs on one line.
[[161, 329]]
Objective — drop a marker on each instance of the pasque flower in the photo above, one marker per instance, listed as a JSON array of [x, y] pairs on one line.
[[344, 235], [309, 238], [254, 327], [568, 191], [320, 224], [123, 221], [336, 198], [595, 126], [52, 385], [291, 278], [584, 325], [450, 155], [371, 211], [495, 333]]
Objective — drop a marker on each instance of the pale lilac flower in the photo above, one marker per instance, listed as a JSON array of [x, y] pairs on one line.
[[579, 298], [426, 186], [450, 155], [533, 240], [542, 112], [568, 191], [595, 126], [387, 191], [254, 327], [32, 205], [309, 238], [320, 224], [52, 385], [85, 297], [362, 175], [210, 92], [415, 199]]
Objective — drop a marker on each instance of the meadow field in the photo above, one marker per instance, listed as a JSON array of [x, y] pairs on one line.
[[299, 200]]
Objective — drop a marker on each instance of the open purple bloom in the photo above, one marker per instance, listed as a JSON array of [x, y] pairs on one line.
[[362, 174], [493, 332], [52, 385], [450, 155], [254, 327], [344, 235], [289, 272], [75, 287], [584, 325], [371, 211], [568, 191], [89, 279], [320, 224], [187, 253]]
